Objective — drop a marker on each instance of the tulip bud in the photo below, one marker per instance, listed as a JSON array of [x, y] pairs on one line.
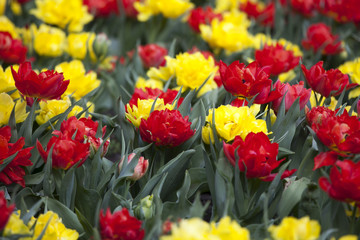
[[145, 209], [101, 45], [95, 143], [140, 168]]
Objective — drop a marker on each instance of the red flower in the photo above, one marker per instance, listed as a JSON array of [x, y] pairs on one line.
[[46, 85], [153, 93], [202, 16], [265, 16], [129, 9], [5, 210], [291, 93], [11, 50], [319, 37], [341, 11], [120, 226], [248, 81], [85, 130], [339, 133], [325, 159], [277, 57], [13, 172], [257, 156], [102, 8], [166, 128], [140, 168], [152, 55], [344, 181], [239, 102], [327, 83], [305, 7]]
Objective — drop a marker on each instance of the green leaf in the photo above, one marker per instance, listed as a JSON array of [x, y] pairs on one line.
[[6, 161], [68, 189]]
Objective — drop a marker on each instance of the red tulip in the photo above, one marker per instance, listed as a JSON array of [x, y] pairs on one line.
[[305, 7], [339, 133], [5, 210], [344, 181], [248, 81], [341, 11], [13, 172], [120, 226], [46, 85], [102, 8], [11, 50], [166, 128], [277, 57], [319, 37], [140, 168], [325, 159], [239, 102], [152, 55], [327, 83], [291, 93], [202, 16], [129, 9], [257, 156], [265, 16], [153, 93], [85, 130]]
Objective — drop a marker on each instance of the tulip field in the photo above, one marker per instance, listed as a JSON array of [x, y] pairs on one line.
[[179, 119]]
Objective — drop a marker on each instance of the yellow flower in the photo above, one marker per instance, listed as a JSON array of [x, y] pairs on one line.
[[163, 73], [287, 76], [81, 83], [16, 226], [6, 106], [52, 108], [193, 228], [142, 110], [49, 41], [232, 121], [230, 34], [353, 69], [168, 8], [79, 44], [150, 83], [7, 26], [291, 228], [191, 70], [227, 5], [349, 237], [330, 106], [261, 39], [2, 7], [229, 230], [55, 229], [15, 7], [27, 35], [7, 82], [63, 13]]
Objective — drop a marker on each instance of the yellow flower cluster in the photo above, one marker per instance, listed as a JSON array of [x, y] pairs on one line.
[[72, 15], [55, 229], [6, 106], [190, 70], [353, 69], [49, 41], [197, 229], [149, 83], [168, 8], [142, 110], [230, 122], [79, 44], [51, 108], [292, 228], [230, 34], [81, 83]]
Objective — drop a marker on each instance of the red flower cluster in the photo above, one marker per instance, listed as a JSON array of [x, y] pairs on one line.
[[153, 93], [248, 81], [344, 181], [120, 226], [264, 16], [46, 85], [339, 133], [152, 55], [320, 38], [70, 148], [13, 172], [340, 10], [5, 210], [257, 156], [304, 7], [11, 50], [327, 83], [291, 93], [202, 16], [277, 57], [104, 8], [166, 128]]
